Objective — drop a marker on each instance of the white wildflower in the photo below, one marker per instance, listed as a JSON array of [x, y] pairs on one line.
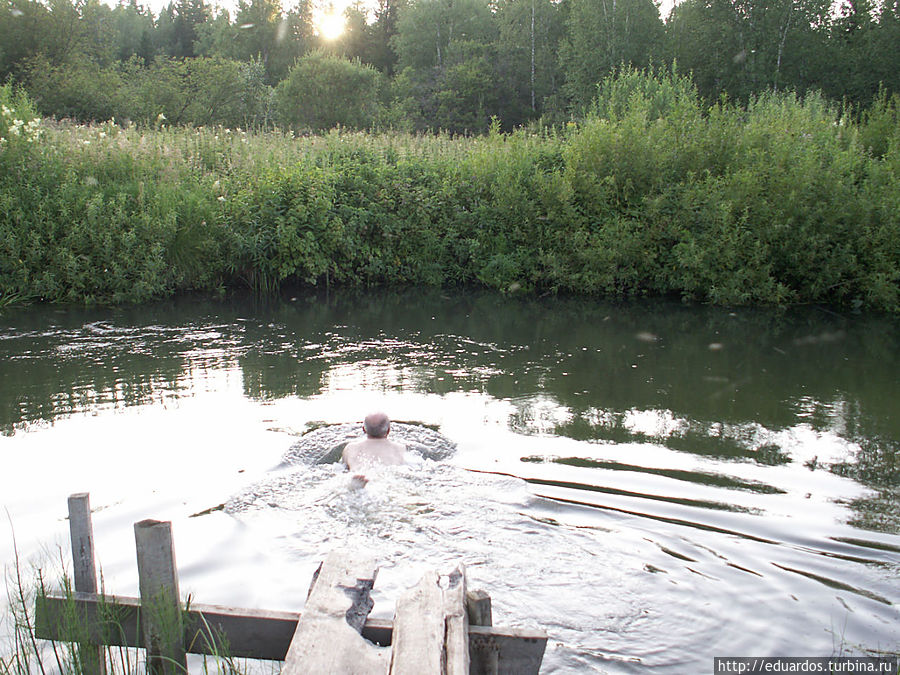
[[6, 111], [221, 198]]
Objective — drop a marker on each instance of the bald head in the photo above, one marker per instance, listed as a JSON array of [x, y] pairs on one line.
[[377, 425]]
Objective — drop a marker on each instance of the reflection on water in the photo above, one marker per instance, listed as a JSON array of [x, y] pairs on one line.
[[653, 483]]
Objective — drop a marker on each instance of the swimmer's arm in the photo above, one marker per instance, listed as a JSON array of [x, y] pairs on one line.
[[358, 480], [348, 457]]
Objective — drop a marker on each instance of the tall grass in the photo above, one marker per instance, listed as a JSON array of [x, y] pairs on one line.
[[786, 200], [25, 654]]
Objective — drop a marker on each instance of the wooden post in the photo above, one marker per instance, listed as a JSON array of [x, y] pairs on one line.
[[328, 637], [478, 607], [81, 533], [431, 627], [163, 629], [484, 657]]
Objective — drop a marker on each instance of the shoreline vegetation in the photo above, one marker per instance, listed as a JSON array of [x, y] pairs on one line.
[[22, 652], [781, 201]]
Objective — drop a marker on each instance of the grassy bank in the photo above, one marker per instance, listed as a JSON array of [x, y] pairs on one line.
[[22, 652], [784, 201]]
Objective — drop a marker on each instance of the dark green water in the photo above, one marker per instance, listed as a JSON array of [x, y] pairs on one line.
[[698, 482]]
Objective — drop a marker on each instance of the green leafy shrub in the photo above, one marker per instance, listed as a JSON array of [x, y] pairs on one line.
[[781, 201], [323, 91]]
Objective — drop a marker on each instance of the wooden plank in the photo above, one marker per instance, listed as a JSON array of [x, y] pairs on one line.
[[456, 623], [431, 627], [483, 660], [418, 641], [92, 656], [163, 628], [328, 639], [249, 633]]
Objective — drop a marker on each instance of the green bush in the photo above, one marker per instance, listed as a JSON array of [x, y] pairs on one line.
[[782, 201], [323, 91]]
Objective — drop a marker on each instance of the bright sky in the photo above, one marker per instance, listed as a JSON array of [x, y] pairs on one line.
[[328, 14]]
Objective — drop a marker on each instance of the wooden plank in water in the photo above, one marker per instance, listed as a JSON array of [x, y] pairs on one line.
[[431, 627], [248, 633], [328, 638]]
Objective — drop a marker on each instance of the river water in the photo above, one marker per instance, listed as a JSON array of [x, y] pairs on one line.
[[652, 484]]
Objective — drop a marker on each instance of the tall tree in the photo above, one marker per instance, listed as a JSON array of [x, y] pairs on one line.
[[741, 47], [187, 15], [426, 28], [383, 30], [528, 59], [22, 35], [603, 35], [261, 32], [134, 28]]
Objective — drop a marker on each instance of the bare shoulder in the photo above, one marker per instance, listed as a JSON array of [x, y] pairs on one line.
[[351, 451]]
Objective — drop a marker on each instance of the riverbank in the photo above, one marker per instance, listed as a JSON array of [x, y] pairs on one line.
[[785, 201]]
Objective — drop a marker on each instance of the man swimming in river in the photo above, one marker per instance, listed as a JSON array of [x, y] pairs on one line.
[[375, 449]]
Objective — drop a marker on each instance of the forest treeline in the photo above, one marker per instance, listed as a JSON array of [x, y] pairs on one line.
[[419, 65]]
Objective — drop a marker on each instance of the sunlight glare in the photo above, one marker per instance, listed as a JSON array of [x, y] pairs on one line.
[[331, 25]]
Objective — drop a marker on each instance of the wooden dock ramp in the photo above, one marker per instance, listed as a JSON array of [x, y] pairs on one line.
[[439, 626], [329, 637]]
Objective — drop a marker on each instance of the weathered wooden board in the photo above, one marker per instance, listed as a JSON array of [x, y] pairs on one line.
[[483, 659], [478, 607], [519, 651], [250, 633], [431, 627], [92, 657], [162, 626], [456, 622], [418, 641], [81, 533], [328, 639]]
